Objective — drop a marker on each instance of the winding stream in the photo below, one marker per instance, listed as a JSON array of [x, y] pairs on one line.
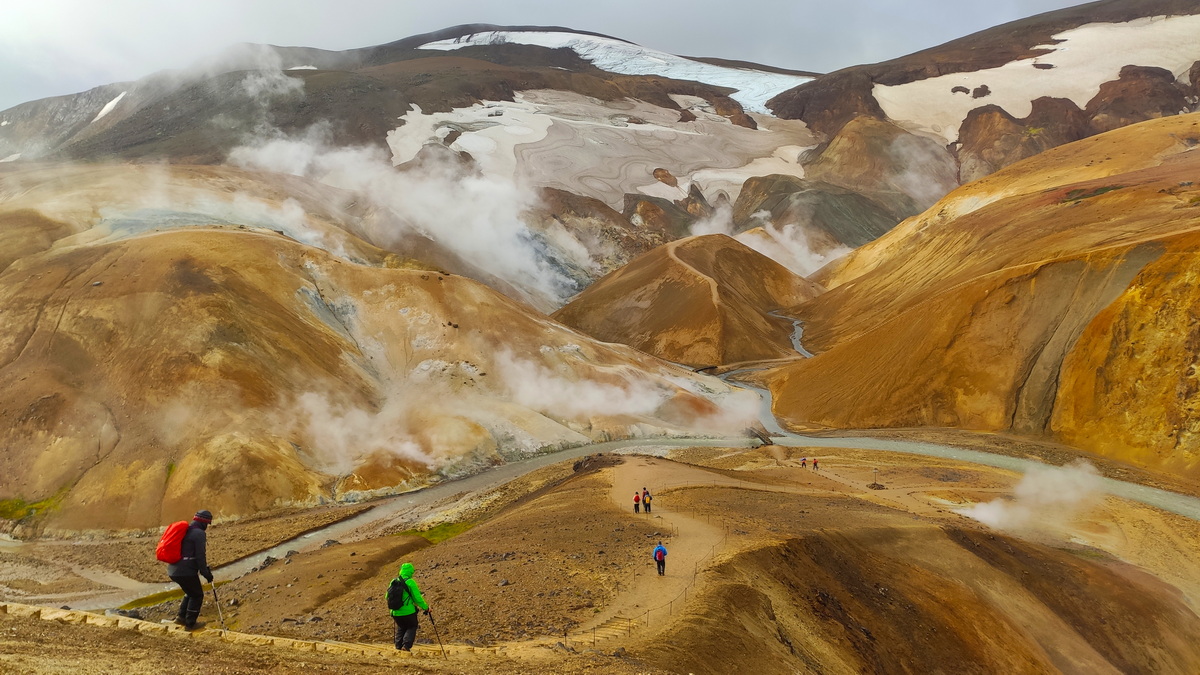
[[423, 498]]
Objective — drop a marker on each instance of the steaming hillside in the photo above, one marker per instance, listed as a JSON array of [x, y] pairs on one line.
[[194, 347], [1052, 297]]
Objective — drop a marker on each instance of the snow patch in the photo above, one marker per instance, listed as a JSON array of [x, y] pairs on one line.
[[303, 68], [572, 142], [108, 107], [1089, 56], [754, 87], [11, 158], [3, 123]]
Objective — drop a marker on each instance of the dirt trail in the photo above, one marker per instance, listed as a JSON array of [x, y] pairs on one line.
[[645, 596]]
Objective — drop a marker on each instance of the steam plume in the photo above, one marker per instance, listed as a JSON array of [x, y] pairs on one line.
[[1045, 498]]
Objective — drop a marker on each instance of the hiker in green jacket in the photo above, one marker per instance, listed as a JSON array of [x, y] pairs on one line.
[[406, 615]]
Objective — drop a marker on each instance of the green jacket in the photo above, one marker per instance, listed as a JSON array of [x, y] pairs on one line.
[[412, 599]]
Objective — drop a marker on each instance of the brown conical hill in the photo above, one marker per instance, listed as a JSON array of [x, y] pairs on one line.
[[1052, 297], [701, 301], [143, 374]]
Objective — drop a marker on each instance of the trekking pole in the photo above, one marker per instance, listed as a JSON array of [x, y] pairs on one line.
[[435, 632], [217, 602]]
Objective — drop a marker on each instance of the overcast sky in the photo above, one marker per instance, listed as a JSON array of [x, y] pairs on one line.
[[53, 47]]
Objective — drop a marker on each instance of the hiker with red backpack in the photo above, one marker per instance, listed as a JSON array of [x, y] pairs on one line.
[[403, 599], [190, 561], [637, 501], [660, 559]]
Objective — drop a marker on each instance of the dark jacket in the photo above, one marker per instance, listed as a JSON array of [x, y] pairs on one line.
[[195, 555]]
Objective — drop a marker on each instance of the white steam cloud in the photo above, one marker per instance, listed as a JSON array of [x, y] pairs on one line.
[[787, 245], [476, 217], [1046, 498], [342, 436], [555, 394]]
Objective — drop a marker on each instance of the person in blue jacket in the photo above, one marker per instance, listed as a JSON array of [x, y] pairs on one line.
[[406, 616], [660, 559]]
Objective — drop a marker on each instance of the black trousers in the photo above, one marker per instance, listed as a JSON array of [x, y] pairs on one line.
[[193, 597], [406, 630], [662, 566]]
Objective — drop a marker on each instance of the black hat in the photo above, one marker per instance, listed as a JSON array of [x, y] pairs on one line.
[[204, 516]]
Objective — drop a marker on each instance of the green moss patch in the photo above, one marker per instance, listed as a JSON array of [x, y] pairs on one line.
[[440, 533], [1079, 193], [17, 508]]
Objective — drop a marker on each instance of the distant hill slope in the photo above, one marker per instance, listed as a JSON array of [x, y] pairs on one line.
[[1050, 298], [701, 301]]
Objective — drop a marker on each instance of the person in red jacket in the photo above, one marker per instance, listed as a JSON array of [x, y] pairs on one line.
[[637, 502], [191, 566]]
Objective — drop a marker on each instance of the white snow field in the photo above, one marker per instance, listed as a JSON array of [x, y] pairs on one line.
[[754, 87], [108, 107], [1090, 56], [563, 140]]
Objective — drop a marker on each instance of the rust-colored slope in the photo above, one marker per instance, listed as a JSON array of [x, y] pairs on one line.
[[925, 600], [701, 301], [989, 310]]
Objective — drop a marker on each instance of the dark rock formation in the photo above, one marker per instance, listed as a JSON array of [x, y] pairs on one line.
[[991, 139], [1141, 93], [658, 215], [832, 215], [901, 172], [828, 103]]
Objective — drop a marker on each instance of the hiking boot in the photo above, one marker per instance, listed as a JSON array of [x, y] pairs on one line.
[[195, 626]]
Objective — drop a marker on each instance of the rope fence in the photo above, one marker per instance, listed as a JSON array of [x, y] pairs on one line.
[[628, 624]]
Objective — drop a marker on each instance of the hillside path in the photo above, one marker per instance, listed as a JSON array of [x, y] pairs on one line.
[[691, 542]]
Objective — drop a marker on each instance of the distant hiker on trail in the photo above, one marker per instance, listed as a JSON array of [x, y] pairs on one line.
[[403, 599], [815, 468], [660, 559], [803, 462], [637, 502], [646, 499], [192, 564]]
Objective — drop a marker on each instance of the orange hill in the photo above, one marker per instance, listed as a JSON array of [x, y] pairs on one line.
[[702, 301], [1053, 297]]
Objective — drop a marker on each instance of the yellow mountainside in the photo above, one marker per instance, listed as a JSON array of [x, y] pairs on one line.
[[701, 301], [1049, 298]]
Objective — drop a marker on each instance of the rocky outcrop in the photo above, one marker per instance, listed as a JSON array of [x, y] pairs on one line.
[[901, 172], [991, 139], [1140, 94], [610, 239], [827, 103], [831, 216], [658, 215]]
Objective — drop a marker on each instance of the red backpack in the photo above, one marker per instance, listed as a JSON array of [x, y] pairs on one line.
[[170, 547]]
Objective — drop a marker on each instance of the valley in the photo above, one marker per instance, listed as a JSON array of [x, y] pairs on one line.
[[906, 353]]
